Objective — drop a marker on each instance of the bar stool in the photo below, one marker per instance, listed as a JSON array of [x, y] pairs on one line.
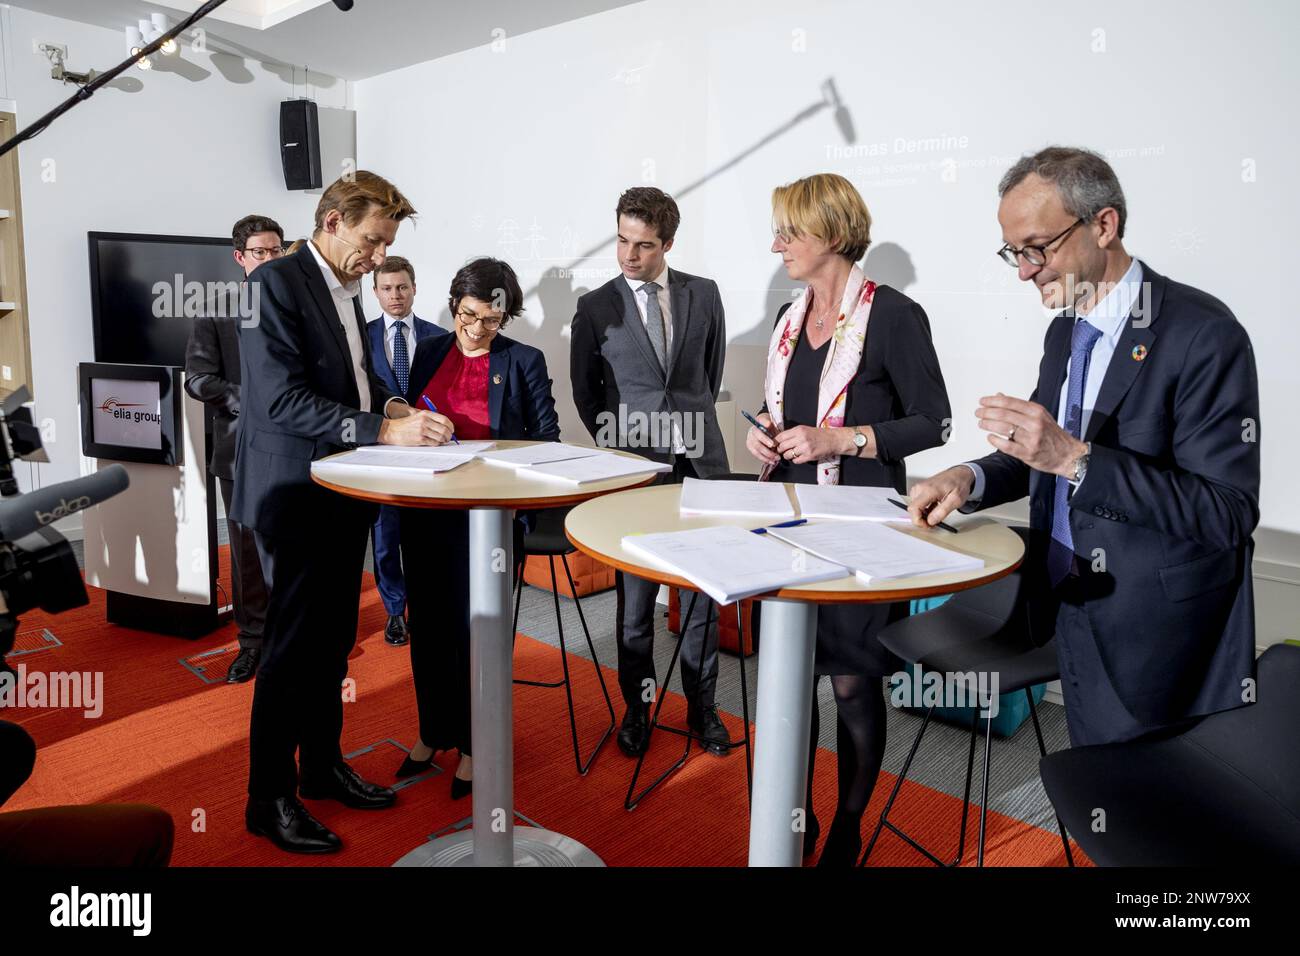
[[984, 629], [547, 539], [633, 799]]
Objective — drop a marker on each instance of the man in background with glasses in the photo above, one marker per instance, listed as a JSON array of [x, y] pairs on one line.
[[1139, 453], [212, 376]]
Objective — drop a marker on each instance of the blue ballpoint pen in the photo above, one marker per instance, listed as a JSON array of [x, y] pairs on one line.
[[784, 524], [426, 400]]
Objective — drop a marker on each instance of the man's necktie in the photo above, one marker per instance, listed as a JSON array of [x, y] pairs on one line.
[[1061, 551], [401, 358], [654, 323]]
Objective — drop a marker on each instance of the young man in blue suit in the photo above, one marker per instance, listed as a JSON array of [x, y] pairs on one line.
[[393, 337], [1139, 453]]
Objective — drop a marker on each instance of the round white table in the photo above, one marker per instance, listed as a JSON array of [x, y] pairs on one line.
[[788, 634], [491, 494]]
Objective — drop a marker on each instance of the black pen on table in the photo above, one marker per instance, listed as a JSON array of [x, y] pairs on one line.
[[942, 524], [427, 401]]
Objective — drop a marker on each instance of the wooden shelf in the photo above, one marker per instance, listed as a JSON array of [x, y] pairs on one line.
[[15, 342]]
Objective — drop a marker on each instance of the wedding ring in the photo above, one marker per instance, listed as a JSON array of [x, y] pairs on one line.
[[1012, 435]]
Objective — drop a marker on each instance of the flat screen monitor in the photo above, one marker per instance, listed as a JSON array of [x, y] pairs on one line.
[[131, 412], [145, 292]]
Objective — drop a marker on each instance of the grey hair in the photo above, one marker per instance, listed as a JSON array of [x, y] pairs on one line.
[[1085, 180]]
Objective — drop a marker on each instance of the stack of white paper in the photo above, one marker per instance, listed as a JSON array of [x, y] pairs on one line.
[[729, 563], [386, 458], [735, 498], [598, 467], [875, 551], [848, 501], [528, 455], [471, 448]]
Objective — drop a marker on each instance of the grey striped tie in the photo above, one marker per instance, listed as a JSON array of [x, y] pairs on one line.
[[654, 323]]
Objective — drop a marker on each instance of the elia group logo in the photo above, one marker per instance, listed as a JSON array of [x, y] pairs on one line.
[[121, 410]]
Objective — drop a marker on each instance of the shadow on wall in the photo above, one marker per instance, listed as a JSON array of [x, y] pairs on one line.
[[558, 300]]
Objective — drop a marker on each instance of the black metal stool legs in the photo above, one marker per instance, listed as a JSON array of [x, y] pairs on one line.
[[565, 682], [633, 798], [1042, 752]]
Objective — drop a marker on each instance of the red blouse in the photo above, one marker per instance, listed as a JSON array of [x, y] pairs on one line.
[[459, 390]]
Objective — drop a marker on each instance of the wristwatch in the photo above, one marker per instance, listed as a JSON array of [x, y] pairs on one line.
[[859, 441], [1081, 464]]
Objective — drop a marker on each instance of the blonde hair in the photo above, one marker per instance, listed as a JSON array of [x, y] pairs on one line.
[[828, 207], [359, 194]]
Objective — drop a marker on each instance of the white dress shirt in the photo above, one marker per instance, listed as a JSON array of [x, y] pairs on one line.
[[343, 296], [390, 334], [1108, 315], [641, 295]]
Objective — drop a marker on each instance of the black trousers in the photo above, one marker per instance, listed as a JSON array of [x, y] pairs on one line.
[[314, 577], [249, 589], [634, 620], [435, 559]]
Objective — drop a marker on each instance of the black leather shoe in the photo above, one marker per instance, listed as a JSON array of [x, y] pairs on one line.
[[843, 843], [634, 734], [287, 824], [411, 768], [396, 631], [461, 788], [346, 786], [707, 725], [244, 666]]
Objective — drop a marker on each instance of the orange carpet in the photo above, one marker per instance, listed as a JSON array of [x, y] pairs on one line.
[[169, 738]]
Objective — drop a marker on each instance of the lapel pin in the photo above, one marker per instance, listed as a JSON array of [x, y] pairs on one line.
[[496, 379], [1139, 352]]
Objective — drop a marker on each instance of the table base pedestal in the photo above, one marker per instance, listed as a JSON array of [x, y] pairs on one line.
[[532, 846]]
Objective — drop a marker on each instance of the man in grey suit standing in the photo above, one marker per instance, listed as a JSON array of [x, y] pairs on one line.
[[647, 355]]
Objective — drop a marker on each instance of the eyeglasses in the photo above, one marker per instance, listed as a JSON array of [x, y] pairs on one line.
[[1034, 255], [784, 235], [260, 253], [469, 318]]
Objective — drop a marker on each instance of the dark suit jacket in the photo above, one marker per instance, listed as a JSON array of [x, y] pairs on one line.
[[1169, 504], [300, 399], [379, 354], [520, 404], [212, 376], [898, 390], [612, 364]]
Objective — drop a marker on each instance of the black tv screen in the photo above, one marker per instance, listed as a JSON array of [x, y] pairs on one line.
[[145, 292]]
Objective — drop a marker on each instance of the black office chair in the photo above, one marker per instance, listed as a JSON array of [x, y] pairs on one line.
[[632, 799], [984, 629], [1227, 791], [547, 539]]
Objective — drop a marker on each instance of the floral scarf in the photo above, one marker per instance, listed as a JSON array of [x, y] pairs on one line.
[[842, 359]]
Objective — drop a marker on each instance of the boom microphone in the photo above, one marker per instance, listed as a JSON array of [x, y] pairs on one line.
[[21, 515], [344, 5]]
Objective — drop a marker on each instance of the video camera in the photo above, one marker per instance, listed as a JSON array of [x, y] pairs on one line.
[[37, 565]]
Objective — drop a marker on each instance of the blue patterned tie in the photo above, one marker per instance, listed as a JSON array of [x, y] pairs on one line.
[[401, 358], [1061, 552]]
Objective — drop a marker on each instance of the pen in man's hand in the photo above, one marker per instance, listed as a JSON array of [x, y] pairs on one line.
[[425, 399], [942, 524]]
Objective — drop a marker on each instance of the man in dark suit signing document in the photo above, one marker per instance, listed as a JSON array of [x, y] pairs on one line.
[[309, 391]]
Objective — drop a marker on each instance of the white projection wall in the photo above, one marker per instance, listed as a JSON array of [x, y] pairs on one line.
[[519, 149]]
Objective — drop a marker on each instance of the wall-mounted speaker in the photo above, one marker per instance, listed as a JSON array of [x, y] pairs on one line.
[[300, 144]]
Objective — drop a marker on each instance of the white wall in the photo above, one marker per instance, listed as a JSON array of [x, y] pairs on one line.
[[187, 153], [545, 132]]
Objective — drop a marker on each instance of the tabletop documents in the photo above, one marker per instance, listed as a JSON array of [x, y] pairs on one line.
[[874, 552], [729, 563]]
